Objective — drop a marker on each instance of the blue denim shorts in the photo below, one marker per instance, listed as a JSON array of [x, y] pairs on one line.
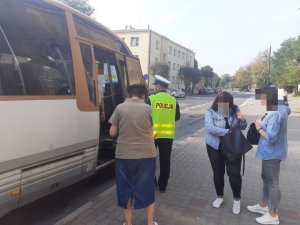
[[135, 179]]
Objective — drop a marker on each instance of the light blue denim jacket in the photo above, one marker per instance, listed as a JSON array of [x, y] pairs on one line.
[[215, 126], [274, 145]]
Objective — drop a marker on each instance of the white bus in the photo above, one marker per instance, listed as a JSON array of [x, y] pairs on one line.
[[57, 68]]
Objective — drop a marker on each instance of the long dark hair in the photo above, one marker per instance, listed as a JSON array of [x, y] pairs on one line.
[[224, 96]]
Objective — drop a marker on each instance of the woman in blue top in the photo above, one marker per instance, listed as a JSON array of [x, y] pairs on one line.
[[222, 115], [272, 149]]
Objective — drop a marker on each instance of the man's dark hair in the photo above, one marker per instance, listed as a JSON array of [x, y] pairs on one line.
[[224, 96], [138, 90], [272, 97]]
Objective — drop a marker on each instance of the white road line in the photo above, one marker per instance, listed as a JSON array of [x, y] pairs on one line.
[[194, 107], [246, 102]]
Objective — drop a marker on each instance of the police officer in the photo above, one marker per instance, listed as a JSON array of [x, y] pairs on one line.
[[165, 111]]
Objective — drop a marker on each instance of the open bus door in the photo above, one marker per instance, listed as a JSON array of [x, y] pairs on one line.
[[110, 94]]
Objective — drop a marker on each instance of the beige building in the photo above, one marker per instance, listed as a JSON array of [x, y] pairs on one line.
[[150, 46]]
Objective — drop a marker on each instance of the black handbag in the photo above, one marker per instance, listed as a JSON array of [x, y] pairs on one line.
[[253, 135], [235, 144]]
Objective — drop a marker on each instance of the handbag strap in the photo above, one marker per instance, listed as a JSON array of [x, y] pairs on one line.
[[243, 164]]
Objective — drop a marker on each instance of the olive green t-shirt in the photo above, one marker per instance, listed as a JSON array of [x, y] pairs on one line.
[[134, 122]]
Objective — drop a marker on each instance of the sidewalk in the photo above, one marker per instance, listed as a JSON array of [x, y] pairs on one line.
[[189, 196]]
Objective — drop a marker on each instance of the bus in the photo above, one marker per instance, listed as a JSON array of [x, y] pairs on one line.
[[61, 76]]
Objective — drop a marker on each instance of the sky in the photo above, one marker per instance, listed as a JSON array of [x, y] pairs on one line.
[[225, 34]]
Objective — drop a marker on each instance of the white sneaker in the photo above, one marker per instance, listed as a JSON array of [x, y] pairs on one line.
[[258, 209], [236, 208], [154, 223], [218, 202], [267, 219]]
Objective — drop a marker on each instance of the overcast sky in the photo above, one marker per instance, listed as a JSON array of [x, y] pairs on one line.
[[224, 34]]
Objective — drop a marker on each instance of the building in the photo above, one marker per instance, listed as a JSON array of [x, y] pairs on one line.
[[150, 46]]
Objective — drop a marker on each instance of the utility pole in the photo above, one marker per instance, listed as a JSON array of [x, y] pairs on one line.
[[269, 72]]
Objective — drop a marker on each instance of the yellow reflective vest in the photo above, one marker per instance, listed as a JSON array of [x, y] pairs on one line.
[[163, 114]]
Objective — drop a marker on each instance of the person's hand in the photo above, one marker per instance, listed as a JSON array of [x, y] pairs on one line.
[[102, 116], [240, 116], [257, 124]]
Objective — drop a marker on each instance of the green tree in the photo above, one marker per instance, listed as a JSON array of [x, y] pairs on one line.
[[259, 69], [160, 68], [207, 73], [285, 64], [81, 5], [243, 79], [190, 76], [226, 80]]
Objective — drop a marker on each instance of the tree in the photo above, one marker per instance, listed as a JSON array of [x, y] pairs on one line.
[[225, 81], [160, 68], [207, 73], [259, 69], [81, 5], [285, 69], [190, 76], [243, 79]]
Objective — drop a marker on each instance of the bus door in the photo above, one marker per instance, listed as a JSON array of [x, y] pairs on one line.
[[123, 74], [111, 91]]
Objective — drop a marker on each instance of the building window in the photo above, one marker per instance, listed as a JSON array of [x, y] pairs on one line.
[[164, 57], [134, 41], [156, 59], [174, 66], [170, 50], [178, 67], [175, 52], [179, 54], [169, 64], [157, 44], [183, 55]]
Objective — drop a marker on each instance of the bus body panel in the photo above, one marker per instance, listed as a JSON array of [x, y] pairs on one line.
[[41, 126]]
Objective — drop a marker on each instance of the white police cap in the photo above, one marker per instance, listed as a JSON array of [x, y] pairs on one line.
[[161, 80]]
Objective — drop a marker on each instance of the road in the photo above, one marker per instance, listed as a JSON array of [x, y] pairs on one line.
[[49, 210]]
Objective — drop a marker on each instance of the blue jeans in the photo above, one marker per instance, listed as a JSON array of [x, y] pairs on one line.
[[271, 190]]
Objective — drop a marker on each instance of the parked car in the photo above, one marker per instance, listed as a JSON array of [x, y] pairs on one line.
[[177, 93], [202, 91], [181, 93]]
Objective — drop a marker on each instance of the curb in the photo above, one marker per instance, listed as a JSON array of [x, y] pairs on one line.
[[87, 205]]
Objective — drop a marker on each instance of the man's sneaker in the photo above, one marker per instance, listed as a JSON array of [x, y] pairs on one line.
[[236, 208], [218, 202], [258, 209], [267, 219], [154, 223]]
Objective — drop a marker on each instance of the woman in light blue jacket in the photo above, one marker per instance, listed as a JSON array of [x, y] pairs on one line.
[[271, 149], [222, 115]]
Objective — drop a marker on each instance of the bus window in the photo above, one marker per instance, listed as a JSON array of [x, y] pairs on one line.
[[123, 73], [37, 40], [134, 71], [88, 66], [92, 32]]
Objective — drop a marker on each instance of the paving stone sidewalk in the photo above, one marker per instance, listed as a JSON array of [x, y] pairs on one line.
[[189, 196]]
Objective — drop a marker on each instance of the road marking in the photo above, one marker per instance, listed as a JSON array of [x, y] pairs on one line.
[[195, 106], [246, 102]]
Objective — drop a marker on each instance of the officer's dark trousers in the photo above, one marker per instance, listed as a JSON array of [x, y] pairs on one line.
[[233, 168], [165, 147]]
